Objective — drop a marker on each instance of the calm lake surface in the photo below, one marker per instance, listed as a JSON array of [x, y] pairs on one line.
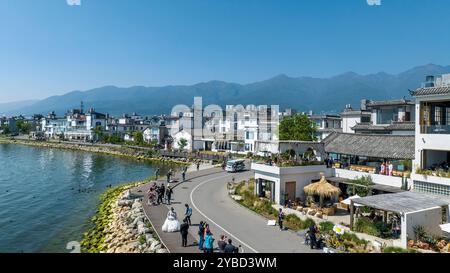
[[47, 196]]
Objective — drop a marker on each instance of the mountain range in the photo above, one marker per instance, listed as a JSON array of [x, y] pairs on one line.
[[301, 93]]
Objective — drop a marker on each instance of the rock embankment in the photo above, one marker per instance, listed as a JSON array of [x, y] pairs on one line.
[[138, 153], [129, 231]]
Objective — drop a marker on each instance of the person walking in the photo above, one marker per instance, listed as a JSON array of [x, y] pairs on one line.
[[183, 174], [198, 165], [184, 228], [157, 173], [169, 193], [209, 242], [230, 248], [188, 214], [168, 176], [280, 218], [222, 243], [201, 234]]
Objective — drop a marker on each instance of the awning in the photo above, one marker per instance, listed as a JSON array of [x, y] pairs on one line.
[[347, 201], [445, 227]]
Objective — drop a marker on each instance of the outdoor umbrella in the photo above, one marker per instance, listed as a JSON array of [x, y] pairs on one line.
[[323, 189]]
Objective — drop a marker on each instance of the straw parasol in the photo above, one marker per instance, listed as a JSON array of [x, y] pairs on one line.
[[322, 188]]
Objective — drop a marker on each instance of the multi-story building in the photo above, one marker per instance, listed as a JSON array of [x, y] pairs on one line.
[[393, 117], [351, 117], [326, 124], [54, 127], [432, 152]]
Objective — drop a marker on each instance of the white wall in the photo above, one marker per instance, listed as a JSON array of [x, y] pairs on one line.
[[178, 136], [302, 175], [349, 122], [392, 181], [430, 219]]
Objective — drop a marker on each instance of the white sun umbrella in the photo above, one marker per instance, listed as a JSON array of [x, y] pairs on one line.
[[445, 227], [347, 201]]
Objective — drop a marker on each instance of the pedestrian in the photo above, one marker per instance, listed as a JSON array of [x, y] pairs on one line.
[[162, 191], [224, 165], [188, 214], [168, 177], [391, 168], [169, 193], [230, 248], [222, 243], [201, 234], [312, 236], [184, 233], [383, 169], [157, 173], [183, 174], [206, 229], [209, 242], [280, 218], [198, 165]]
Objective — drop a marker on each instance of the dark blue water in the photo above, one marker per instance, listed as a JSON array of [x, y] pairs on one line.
[[47, 196]]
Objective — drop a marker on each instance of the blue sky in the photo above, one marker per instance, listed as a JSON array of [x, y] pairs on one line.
[[48, 47]]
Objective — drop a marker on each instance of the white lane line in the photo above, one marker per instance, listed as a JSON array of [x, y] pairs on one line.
[[209, 219]]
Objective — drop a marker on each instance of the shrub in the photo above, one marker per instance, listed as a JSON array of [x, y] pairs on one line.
[[392, 249], [365, 225], [326, 227]]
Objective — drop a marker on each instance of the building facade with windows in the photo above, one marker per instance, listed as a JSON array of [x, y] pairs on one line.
[[432, 139]]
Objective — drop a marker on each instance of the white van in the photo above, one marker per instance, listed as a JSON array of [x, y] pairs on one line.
[[235, 165]]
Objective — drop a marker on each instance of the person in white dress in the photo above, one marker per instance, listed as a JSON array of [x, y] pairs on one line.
[[171, 224]]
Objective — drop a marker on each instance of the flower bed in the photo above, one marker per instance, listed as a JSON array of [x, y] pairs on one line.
[[347, 242]]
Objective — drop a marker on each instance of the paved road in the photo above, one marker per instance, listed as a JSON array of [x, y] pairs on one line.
[[209, 199]]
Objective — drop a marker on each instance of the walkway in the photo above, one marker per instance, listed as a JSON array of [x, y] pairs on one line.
[[157, 214]]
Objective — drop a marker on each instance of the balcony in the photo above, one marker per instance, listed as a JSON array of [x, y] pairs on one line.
[[278, 170], [435, 129]]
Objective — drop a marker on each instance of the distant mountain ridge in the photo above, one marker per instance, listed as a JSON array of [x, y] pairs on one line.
[[301, 93]]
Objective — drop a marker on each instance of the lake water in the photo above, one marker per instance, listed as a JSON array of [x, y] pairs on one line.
[[47, 196]]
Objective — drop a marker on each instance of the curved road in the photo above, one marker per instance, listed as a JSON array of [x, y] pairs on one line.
[[208, 197]]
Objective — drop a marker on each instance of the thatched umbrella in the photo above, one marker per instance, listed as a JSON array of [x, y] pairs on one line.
[[323, 189]]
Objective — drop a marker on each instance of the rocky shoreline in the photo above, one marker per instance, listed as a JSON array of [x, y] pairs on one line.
[[129, 230], [120, 225], [123, 151]]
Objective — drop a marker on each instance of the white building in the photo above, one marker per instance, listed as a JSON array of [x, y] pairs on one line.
[[326, 124], [350, 118], [54, 127], [432, 136]]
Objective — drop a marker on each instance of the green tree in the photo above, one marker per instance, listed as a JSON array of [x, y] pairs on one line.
[[362, 186], [98, 133], [297, 127], [23, 126], [138, 138], [182, 143], [5, 129]]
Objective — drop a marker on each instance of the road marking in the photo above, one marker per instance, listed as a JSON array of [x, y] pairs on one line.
[[209, 219]]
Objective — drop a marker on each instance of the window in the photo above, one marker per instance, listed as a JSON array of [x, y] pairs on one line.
[[447, 116], [249, 135], [437, 115]]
